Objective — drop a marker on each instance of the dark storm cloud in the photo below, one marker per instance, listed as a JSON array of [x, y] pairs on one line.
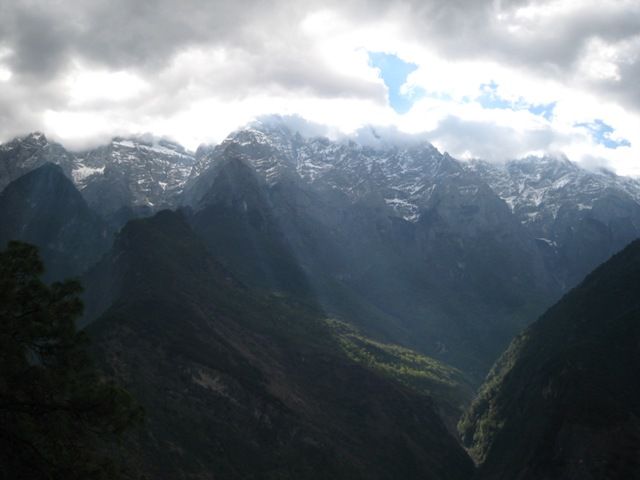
[[39, 44], [145, 34], [117, 33]]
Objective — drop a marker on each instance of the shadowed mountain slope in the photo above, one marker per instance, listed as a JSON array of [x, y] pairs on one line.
[[239, 385], [563, 401], [44, 208], [453, 275]]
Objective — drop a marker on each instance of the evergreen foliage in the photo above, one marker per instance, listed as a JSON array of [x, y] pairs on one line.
[[446, 385], [58, 418]]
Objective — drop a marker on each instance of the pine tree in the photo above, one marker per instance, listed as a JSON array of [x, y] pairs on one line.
[[58, 417]]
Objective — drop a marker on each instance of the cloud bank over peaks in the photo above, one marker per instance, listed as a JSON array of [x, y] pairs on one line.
[[494, 79]]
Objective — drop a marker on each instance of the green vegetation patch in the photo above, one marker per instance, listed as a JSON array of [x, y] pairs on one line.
[[446, 385]]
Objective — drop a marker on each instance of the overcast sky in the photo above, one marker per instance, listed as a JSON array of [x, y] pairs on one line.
[[490, 79]]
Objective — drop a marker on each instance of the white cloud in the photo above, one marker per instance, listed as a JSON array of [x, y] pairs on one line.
[[86, 86], [196, 70], [5, 74]]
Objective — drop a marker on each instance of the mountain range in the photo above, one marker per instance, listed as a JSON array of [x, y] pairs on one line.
[[450, 258], [323, 307]]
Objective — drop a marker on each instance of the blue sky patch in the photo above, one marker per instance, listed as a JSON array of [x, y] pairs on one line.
[[489, 98], [394, 72], [601, 133], [545, 110]]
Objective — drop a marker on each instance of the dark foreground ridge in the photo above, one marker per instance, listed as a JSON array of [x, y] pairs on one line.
[[562, 402]]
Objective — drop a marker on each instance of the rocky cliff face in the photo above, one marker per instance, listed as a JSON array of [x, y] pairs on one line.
[[27, 153], [579, 217], [133, 173], [127, 177]]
